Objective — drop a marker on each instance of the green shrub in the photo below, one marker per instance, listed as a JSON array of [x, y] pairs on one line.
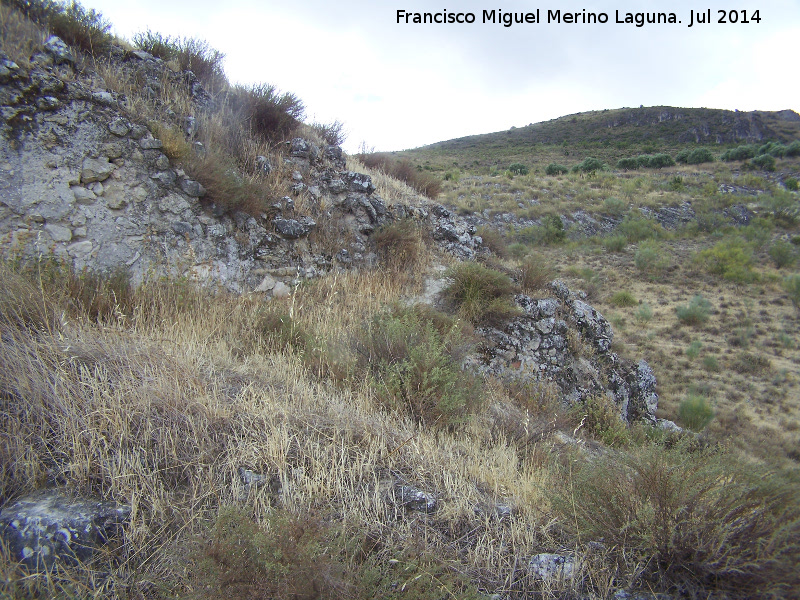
[[775, 149], [693, 350], [518, 169], [694, 313], [694, 157], [644, 314], [695, 412], [590, 165], [739, 153], [782, 254], [710, 363], [414, 356], [479, 294], [783, 205], [685, 518], [792, 286], [614, 206], [791, 184], [650, 258], [731, 259], [534, 274], [793, 149], [556, 169], [552, 230], [399, 245], [601, 418], [623, 298], [636, 229], [615, 243], [628, 164], [765, 162]]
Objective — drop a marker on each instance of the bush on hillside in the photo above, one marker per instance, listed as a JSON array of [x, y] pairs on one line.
[[744, 152], [399, 245], [695, 313], [269, 114], [686, 517], [534, 274], [191, 54], [694, 157], [590, 165], [791, 184], [77, 26], [636, 229], [793, 149], [731, 259], [774, 149], [782, 253], [414, 356], [556, 169], [518, 169], [646, 161], [765, 162]]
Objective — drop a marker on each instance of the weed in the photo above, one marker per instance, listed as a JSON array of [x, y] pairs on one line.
[[601, 418], [710, 363], [694, 313], [270, 115], [423, 182], [494, 241], [636, 229], [615, 206], [751, 364], [650, 259]]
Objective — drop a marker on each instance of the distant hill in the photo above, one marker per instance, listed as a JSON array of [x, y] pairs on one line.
[[612, 133]]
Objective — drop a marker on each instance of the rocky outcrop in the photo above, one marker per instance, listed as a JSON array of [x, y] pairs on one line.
[[49, 527], [564, 341], [83, 180]]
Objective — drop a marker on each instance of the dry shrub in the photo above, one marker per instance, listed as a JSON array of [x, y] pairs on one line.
[[226, 186], [269, 114], [284, 560], [494, 241], [687, 517], [400, 245], [534, 274], [19, 36], [480, 295], [424, 183]]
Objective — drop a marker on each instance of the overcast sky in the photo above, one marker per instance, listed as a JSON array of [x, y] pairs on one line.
[[398, 86]]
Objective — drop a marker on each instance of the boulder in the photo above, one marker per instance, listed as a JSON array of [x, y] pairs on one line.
[[293, 229], [60, 52], [49, 526]]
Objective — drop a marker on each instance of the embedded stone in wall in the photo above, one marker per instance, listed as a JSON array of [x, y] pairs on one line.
[[96, 169]]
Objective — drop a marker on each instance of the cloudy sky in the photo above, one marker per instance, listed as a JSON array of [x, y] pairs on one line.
[[398, 86]]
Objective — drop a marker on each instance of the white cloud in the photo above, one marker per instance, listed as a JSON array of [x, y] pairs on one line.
[[400, 86]]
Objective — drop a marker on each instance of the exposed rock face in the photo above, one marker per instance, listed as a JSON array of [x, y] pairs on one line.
[[565, 341], [85, 181], [48, 526]]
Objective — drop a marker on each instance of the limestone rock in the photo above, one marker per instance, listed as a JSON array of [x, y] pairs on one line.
[[551, 567], [60, 52], [411, 498], [48, 527], [96, 169], [293, 229]]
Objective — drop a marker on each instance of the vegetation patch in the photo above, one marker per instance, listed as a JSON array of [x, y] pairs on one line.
[[694, 313], [479, 294]]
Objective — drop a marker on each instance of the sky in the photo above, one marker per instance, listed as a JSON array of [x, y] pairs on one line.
[[403, 85]]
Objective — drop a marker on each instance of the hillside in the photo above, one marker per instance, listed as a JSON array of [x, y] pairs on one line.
[[610, 134], [236, 362]]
